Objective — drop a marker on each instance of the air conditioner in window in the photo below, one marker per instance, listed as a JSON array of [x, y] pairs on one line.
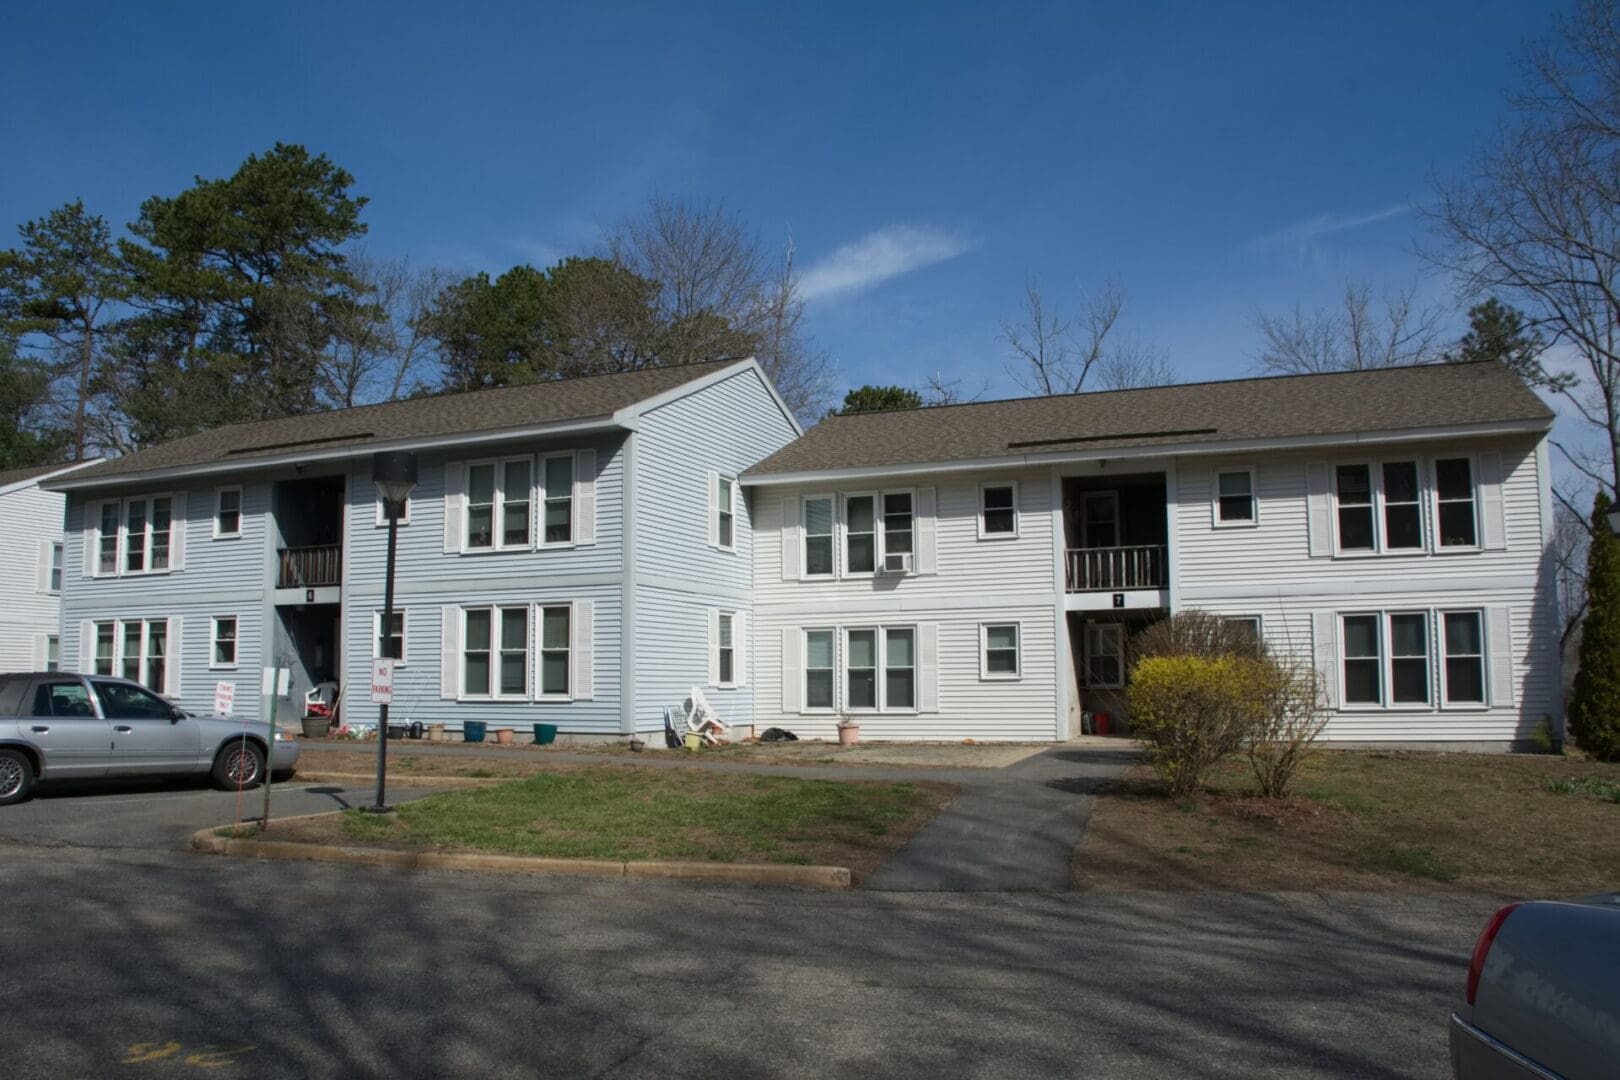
[[897, 562]]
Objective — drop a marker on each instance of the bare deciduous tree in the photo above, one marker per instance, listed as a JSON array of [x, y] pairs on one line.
[[379, 341], [1357, 335], [938, 390], [1053, 355]]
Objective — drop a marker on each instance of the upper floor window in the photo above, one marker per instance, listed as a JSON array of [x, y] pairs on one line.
[[1357, 531], [998, 510], [559, 496], [860, 534], [725, 512], [897, 523], [1454, 502], [227, 513], [134, 536], [54, 582], [1379, 507], [818, 536], [1234, 497], [499, 494]]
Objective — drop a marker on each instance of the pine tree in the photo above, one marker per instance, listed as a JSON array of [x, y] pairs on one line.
[[1594, 710]]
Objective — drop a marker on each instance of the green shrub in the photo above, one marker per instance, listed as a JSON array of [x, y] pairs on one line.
[[1594, 707], [1192, 711]]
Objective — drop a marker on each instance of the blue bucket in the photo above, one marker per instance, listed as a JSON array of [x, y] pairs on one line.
[[545, 734], [472, 731]]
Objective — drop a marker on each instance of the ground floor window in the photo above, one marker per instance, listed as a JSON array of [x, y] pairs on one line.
[[495, 652], [1105, 656], [1388, 659], [136, 649], [554, 654], [224, 642], [1464, 669], [53, 653], [818, 669], [388, 643]]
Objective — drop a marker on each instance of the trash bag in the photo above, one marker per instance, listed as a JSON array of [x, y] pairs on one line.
[[777, 734]]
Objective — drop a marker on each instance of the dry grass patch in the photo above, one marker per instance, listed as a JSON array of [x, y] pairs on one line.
[[1521, 824], [621, 812]]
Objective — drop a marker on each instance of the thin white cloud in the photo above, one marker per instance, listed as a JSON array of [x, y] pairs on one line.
[[1301, 236], [878, 256]]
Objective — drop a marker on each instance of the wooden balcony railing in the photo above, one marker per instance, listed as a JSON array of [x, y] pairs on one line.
[[310, 567], [1112, 568]]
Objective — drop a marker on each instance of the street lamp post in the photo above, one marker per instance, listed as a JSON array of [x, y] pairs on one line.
[[394, 474]]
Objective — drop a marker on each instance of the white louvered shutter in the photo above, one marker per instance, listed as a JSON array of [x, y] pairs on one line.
[[42, 571], [714, 646], [92, 536], [87, 647], [739, 647], [714, 508], [454, 508], [928, 667], [584, 497], [792, 545], [1493, 518], [177, 531], [449, 651], [174, 658], [41, 649], [1319, 508], [582, 655], [1499, 641], [792, 671], [1324, 644], [927, 558]]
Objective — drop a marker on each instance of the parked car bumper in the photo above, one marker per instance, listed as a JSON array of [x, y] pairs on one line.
[[1477, 1056], [283, 752]]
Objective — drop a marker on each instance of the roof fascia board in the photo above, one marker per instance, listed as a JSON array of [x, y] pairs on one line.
[[39, 481], [627, 415], [1233, 446], [214, 468]]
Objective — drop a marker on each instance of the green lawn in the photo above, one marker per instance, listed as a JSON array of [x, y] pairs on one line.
[[1524, 824], [624, 813]]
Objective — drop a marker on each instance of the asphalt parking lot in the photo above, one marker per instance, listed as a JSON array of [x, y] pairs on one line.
[[162, 814]]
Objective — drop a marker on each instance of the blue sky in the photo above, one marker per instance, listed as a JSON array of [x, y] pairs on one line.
[[1216, 160]]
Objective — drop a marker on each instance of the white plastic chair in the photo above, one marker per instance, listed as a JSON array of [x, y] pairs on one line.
[[701, 719]]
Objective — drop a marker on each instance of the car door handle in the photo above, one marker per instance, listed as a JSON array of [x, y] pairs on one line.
[[124, 729], [42, 728]]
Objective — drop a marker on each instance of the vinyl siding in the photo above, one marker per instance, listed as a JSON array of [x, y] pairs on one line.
[[30, 521]]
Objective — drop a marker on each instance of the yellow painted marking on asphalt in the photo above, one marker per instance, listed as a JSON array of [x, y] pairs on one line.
[[206, 1056], [149, 1051], [209, 1057]]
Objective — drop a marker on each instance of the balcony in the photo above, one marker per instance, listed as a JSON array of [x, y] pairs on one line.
[[310, 567], [1117, 569]]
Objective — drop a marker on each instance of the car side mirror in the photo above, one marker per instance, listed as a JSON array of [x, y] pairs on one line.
[[176, 714]]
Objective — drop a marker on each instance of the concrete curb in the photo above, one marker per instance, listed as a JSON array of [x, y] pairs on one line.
[[807, 877]]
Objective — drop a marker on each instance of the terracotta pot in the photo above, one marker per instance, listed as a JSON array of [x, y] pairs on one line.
[[503, 735], [847, 736]]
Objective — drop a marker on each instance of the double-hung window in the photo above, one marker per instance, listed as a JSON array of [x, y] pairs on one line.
[[726, 648], [819, 669], [860, 669], [107, 541], [818, 536], [555, 629], [1463, 670], [1387, 659], [1458, 525], [137, 650], [1105, 656], [222, 642], [1403, 508], [517, 495], [1363, 661], [725, 513], [900, 668], [106, 647], [880, 669], [559, 497], [499, 497], [1234, 497], [860, 534], [53, 652], [998, 510], [897, 523], [227, 513], [54, 581], [1409, 658], [1357, 529], [134, 536], [388, 643], [495, 652]]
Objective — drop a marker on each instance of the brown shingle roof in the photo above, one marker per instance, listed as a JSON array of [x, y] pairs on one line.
[[28, 472], [479, 411], [1340, 403]]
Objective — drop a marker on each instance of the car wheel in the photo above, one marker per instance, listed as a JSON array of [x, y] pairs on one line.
[[16, 777], [239, 765]]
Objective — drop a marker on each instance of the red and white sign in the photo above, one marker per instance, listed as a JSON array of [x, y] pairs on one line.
[[224, 698], [382, 681]]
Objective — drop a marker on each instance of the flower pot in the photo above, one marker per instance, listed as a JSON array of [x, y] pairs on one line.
[[545, 734], [315, 727], [847, 736], [472, 731], [503, 735], [396, 732], [436, 732]]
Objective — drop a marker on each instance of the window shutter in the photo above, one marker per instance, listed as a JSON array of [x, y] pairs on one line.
[[792, 545], [1499, 640], [1493, 520], [792, 671], [928, 667], [87, 647], [714, 646], [40, 651], [927, 560], [454, 479], [714, 508], [177, 531], [42, 573], [171, 662], [92, 536], [1324, 642], [1319, 511], [449, 650], [583, 677], [739, 642], [584, 498]]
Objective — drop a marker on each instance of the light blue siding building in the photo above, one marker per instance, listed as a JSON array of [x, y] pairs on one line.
[[576, 553]]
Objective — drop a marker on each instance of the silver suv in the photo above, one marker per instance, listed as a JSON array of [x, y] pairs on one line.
[[60, 726]]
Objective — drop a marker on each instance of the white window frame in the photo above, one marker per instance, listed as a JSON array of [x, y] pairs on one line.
[[1253, 519], [1259, 625], [380, 519], [494, 693], [219, 493], [1117, 630], [832, 537], [884, 666], [882, 525], [497, 516], [1381, 657], [1374, 479], [880, 659], [143, 661], [985, 674], [1381, 501], [1433, 501], [53, 645], [102, 536], [537, 628], [543, 497], [804, 646], [377, 636], [984, 532], [841, 559], [1484, 655], [214, 622], [112, 651], [121, 538], [877, 667], [1388, 643], [726, 485], [723, 620], [54, 572]]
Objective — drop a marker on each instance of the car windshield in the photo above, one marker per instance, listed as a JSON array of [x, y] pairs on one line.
[[120, 701]]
